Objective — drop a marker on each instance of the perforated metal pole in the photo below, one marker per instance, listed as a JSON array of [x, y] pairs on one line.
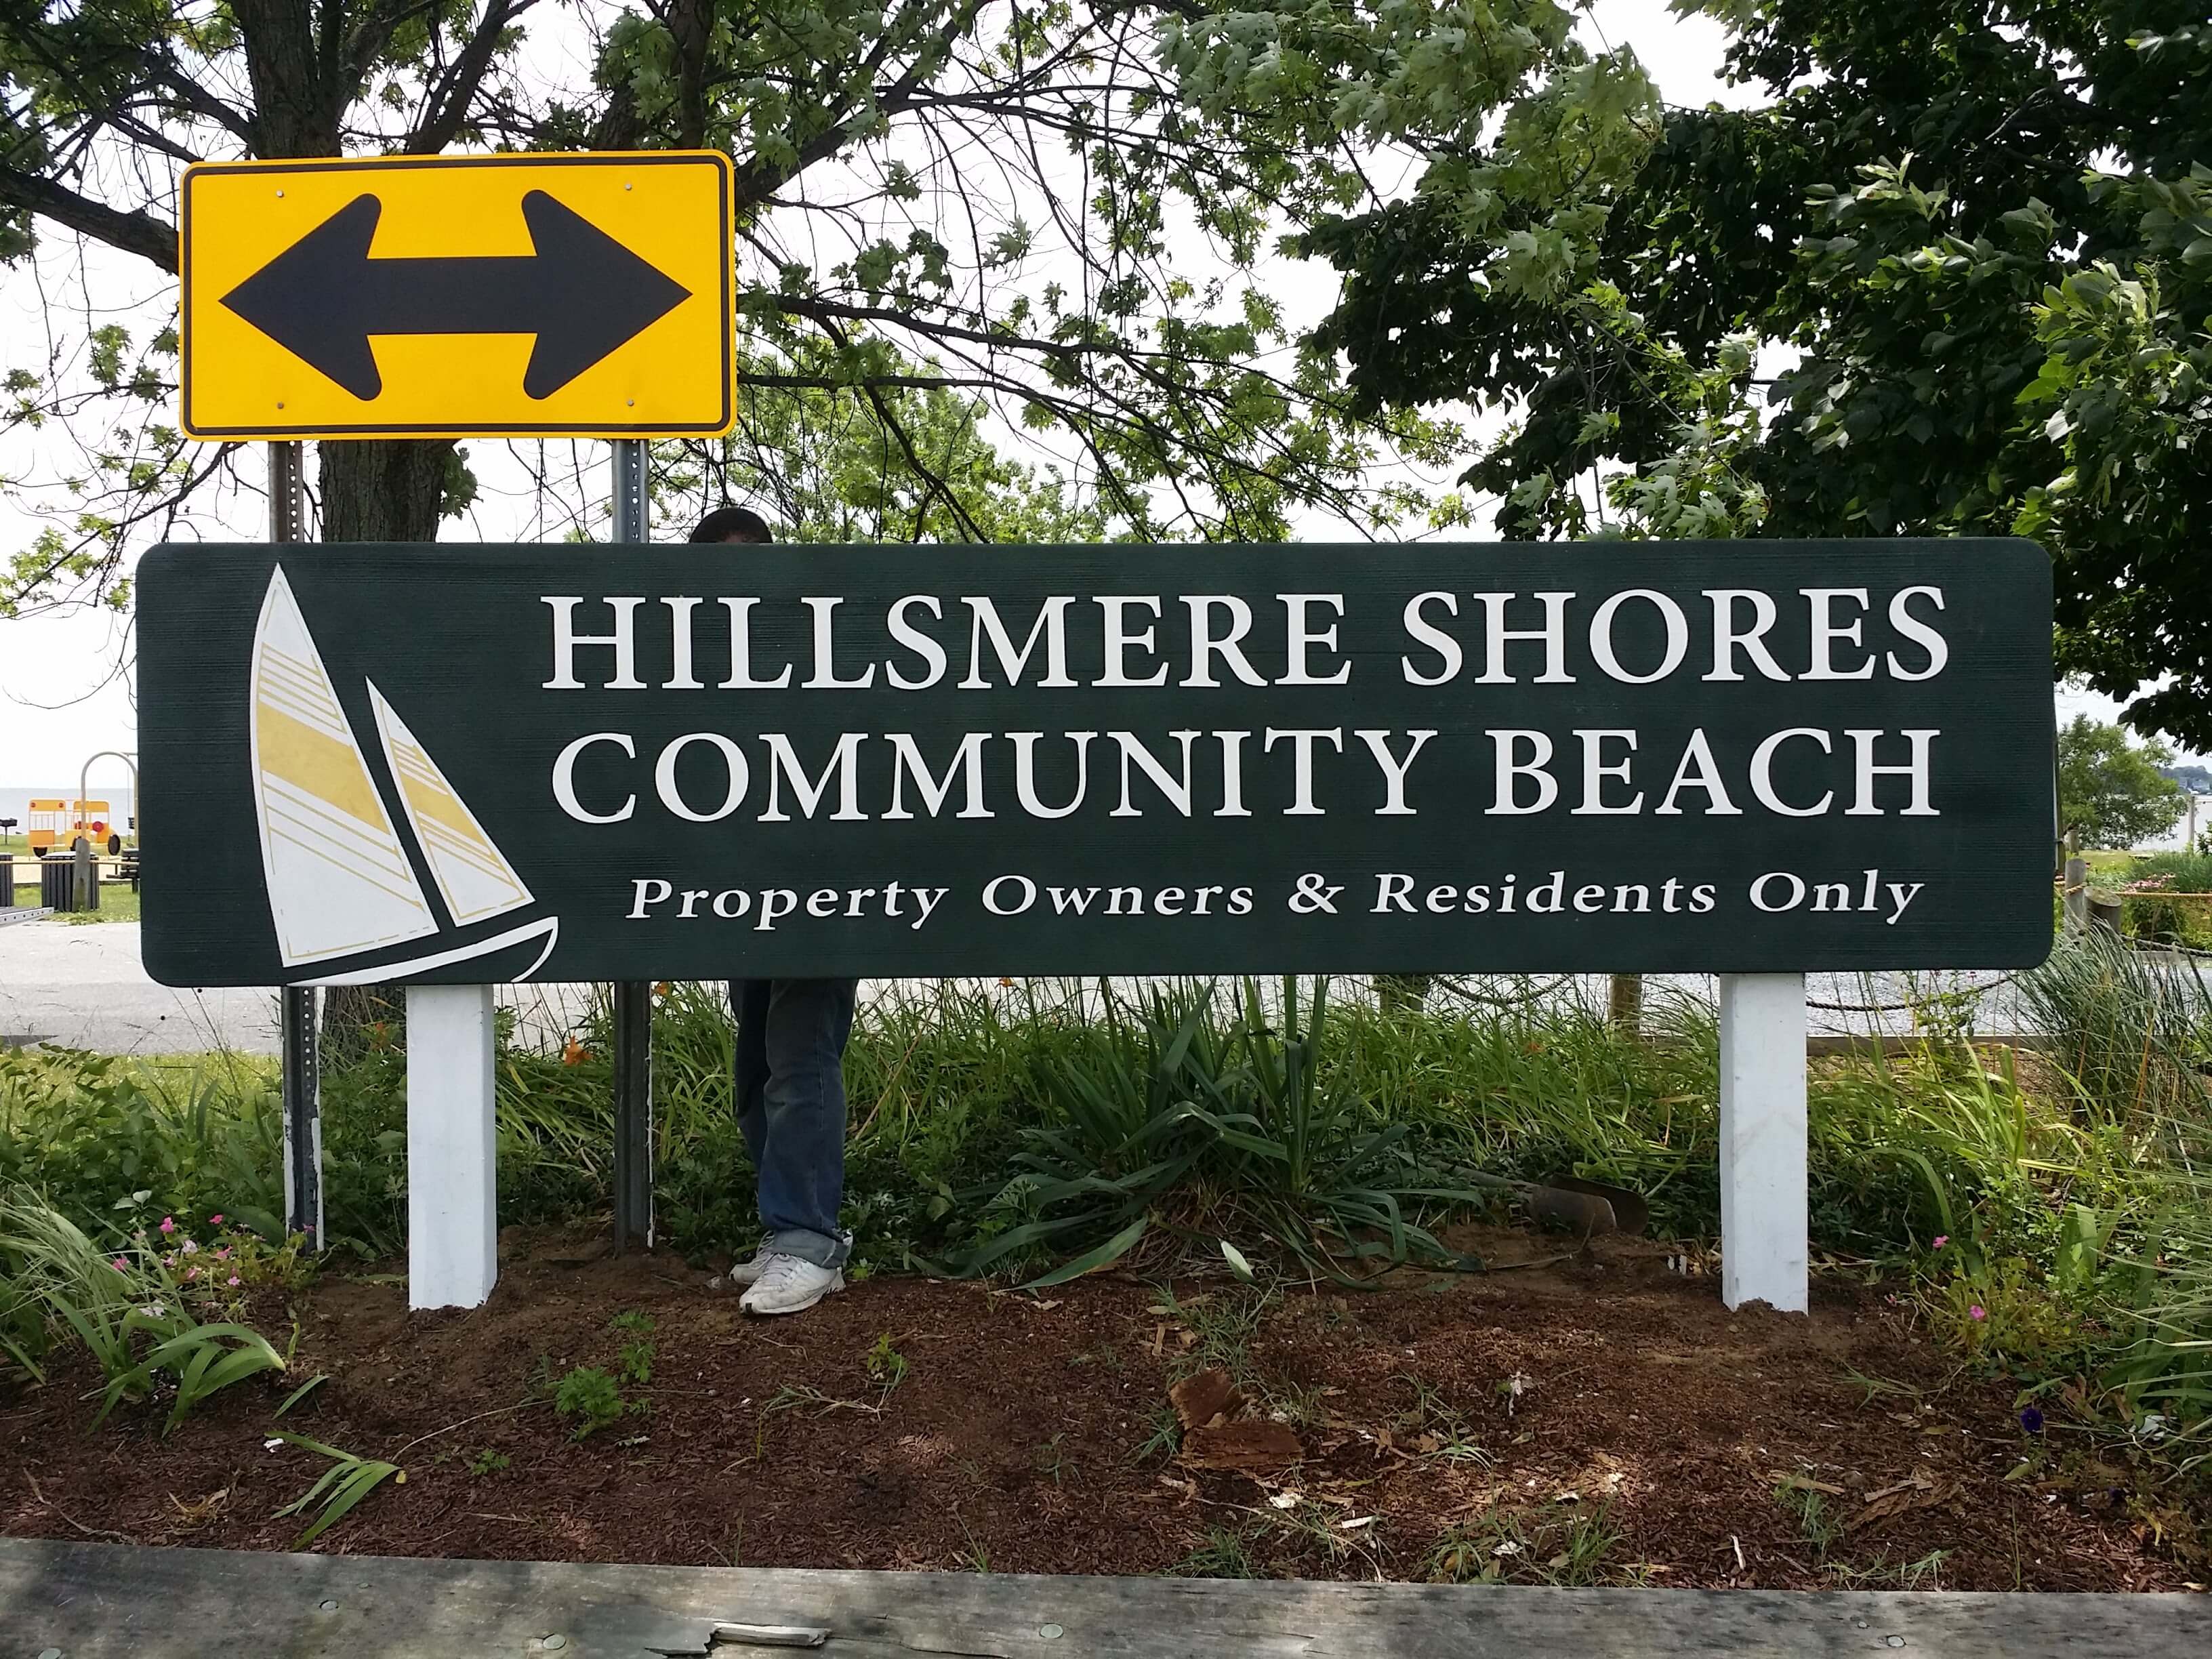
[[303, 1095], [633, 1010]]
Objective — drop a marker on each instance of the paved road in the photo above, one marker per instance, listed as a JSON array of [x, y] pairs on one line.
[[84, 986]]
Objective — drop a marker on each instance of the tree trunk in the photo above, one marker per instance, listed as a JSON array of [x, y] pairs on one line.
[[1403, 994], [376, 492], [384, 492], [1626, 1010]]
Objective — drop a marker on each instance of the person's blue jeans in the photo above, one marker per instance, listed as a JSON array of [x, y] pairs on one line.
[[791, 1107]]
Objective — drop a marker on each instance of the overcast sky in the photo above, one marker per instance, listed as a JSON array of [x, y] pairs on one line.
[[61, 695]]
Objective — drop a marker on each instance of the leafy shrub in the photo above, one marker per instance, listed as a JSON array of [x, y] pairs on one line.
[[588, 1392], [201, 1135], [131, 1314], [89, 1129]]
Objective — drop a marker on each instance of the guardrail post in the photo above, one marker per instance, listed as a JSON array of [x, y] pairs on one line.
[[452, 1200], [1764, 1215], [633, 1001]]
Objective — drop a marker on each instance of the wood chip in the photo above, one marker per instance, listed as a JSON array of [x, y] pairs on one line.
[[1917, 1492], [1200, 1399], [1241, 1446], [1801, 1483]]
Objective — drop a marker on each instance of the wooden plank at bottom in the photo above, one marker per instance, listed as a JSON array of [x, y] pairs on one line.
[[111, 1601]]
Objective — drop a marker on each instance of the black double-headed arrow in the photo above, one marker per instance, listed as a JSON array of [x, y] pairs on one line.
[[579, 291]]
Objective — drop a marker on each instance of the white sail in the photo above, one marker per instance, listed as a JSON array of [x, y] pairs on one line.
[[339, 882], [472, 874]]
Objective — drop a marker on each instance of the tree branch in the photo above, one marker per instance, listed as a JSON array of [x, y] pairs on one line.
[[134, 233], [165, 71], [449, 101]]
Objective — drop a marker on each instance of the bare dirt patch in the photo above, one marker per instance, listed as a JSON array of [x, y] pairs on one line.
[[1595, 1418]]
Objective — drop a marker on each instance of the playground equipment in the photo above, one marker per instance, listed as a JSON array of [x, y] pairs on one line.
[[55, 826]]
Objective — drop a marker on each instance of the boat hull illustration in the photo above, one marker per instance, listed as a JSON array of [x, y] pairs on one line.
[[511, 956]]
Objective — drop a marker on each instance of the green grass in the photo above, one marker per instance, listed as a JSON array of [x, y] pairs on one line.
[[1565, 1549], [944, 1085], [2071, 1198], [118, 902]]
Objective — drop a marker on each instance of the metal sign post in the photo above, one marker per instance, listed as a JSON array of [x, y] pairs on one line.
[[303, 1101], [633, 1010]]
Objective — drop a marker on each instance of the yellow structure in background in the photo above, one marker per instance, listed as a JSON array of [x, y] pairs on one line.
[[54, 825], [631, 242]]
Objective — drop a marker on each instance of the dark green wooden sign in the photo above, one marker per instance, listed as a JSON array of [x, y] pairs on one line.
[[471, 763]]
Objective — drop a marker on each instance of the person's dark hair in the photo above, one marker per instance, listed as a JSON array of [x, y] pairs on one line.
[[732, 524]]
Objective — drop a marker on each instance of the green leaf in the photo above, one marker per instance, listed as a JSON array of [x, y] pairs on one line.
[[303, 1391], [1237, 1264], [1093, 1261]]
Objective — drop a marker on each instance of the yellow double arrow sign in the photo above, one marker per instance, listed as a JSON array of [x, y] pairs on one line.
[[581, 295]]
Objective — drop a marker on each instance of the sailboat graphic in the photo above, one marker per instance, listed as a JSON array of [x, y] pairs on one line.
[[341, 886]]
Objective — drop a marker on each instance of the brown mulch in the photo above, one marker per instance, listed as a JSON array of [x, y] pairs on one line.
[[1431, 1421]]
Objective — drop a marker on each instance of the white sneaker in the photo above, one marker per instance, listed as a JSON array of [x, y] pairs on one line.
[[790, 1284], [749, 1272]]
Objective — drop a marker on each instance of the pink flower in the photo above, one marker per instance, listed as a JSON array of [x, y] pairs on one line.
[[233, 1280], [170, 1259], [1976, 1312], [169, 1223], [120, 1265], [223, 1255], [192, 1274], [1942, 1239], [215, 1221]]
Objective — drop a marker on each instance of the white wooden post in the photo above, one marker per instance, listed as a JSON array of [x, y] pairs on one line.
[[453, 1229], [1764, 1220]]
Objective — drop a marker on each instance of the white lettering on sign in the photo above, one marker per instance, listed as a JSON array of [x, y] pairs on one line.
[[1215, 641], [1800, 772], [1634, 636]]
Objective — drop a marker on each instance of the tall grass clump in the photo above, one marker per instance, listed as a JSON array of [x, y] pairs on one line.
[[1531, 1088], [2132, 1033], [2157, 1299], [1205, 1114]]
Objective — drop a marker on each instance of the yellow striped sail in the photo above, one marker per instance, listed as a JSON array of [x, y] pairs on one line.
[[339, 881], [475, 879]]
